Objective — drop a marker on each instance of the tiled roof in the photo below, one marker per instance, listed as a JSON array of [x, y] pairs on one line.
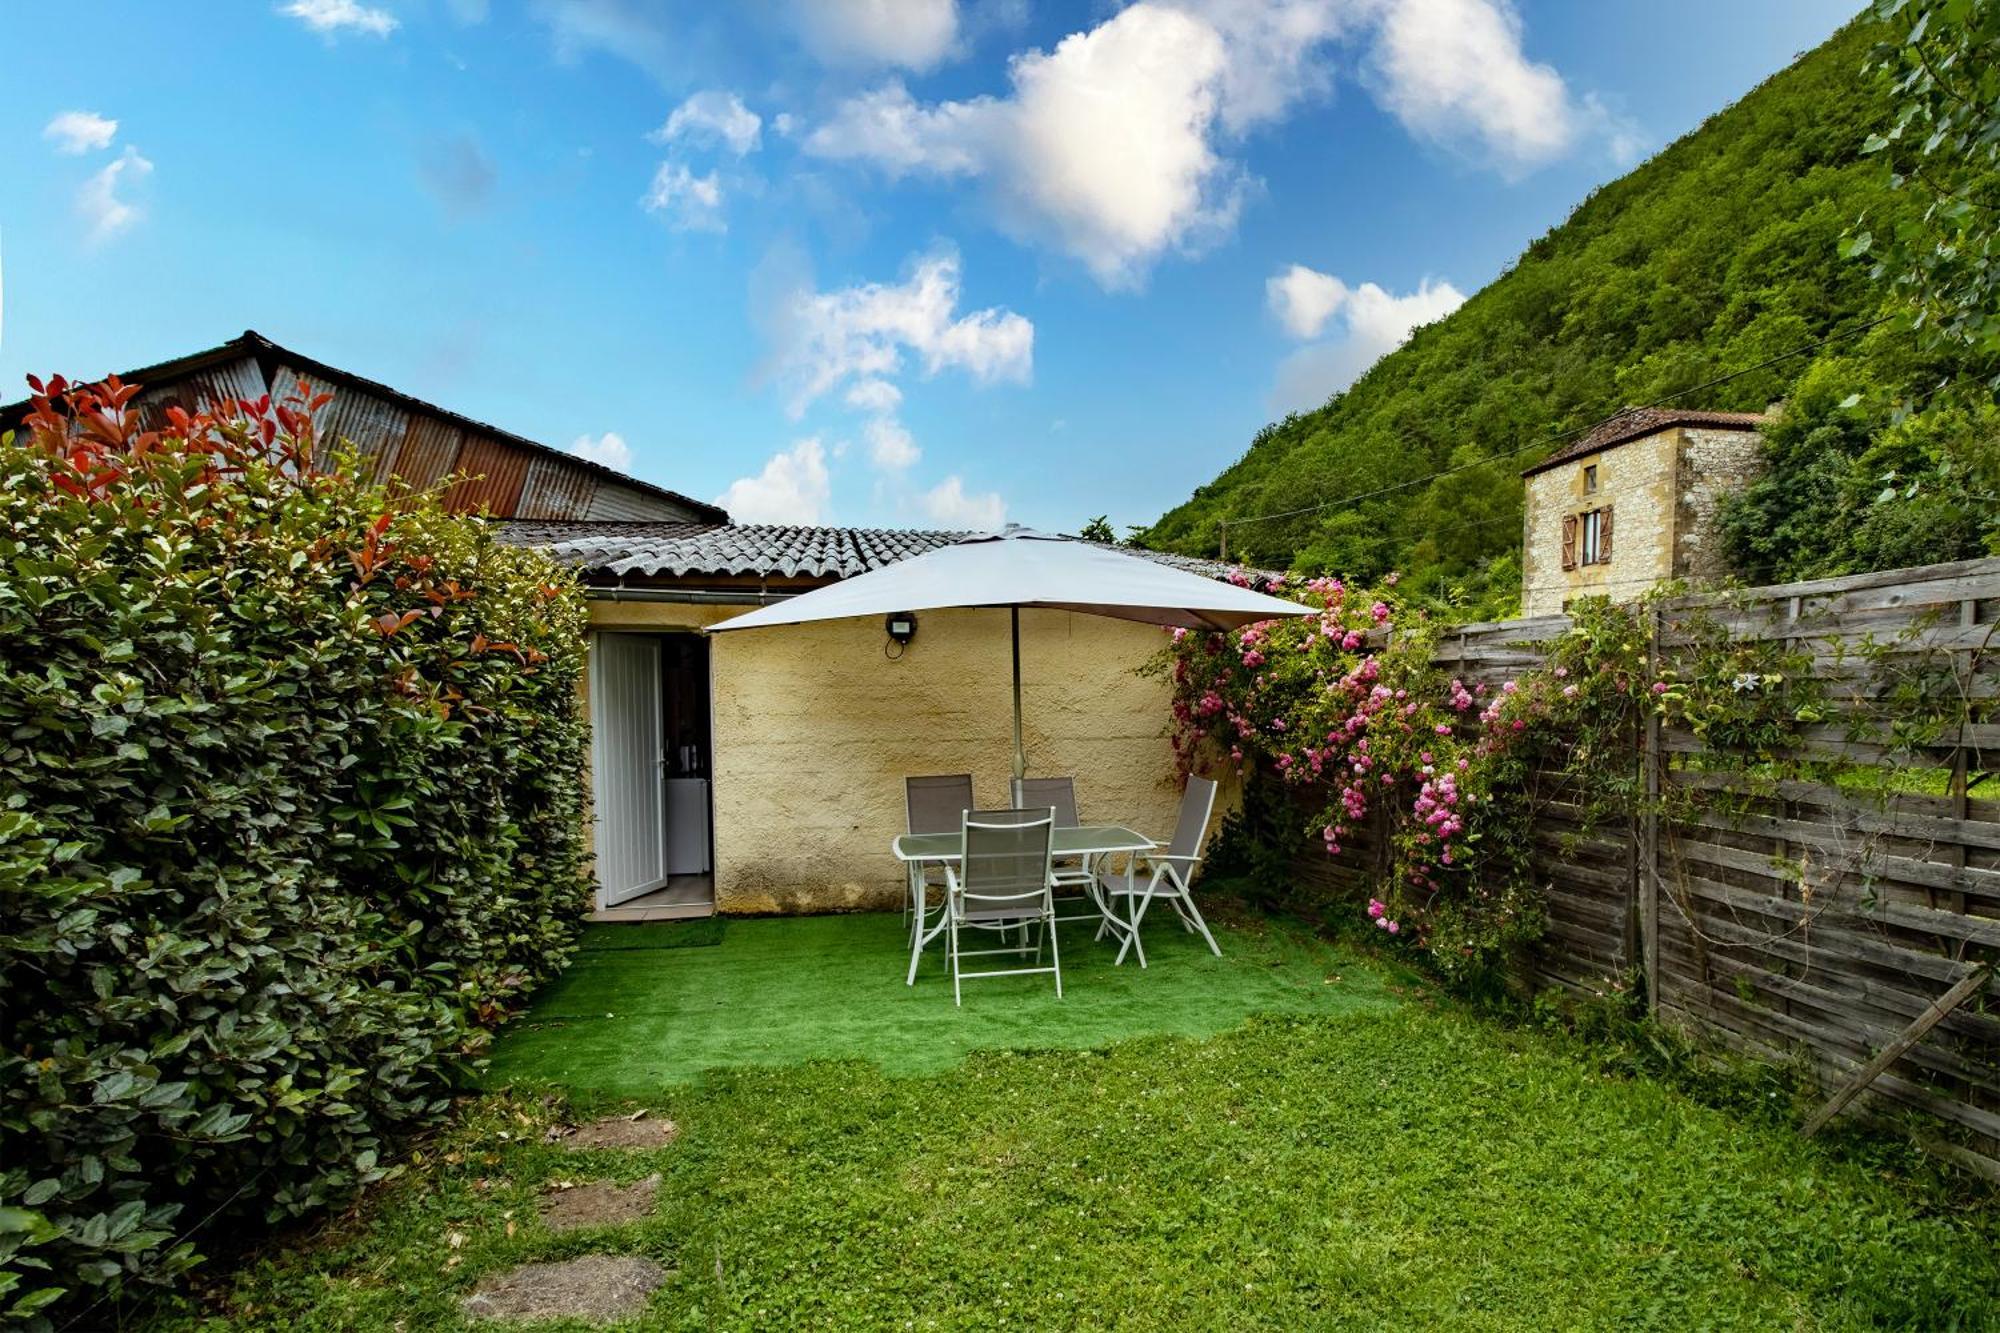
[[1637, 422], [679, 550]]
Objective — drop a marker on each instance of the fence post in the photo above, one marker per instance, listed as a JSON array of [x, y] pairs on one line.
[[1648, 857]]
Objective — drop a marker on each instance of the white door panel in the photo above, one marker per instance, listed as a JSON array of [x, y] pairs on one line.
[[627, 747]]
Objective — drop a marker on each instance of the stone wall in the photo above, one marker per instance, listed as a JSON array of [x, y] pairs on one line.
[[815, 729], [1713, 463]]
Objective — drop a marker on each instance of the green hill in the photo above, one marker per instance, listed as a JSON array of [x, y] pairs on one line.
[[1718, 254]]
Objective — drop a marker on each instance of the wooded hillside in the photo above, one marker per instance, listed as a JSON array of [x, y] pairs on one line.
[[1716, 256]]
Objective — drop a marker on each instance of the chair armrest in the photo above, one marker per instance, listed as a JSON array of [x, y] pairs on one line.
[[1160, 854]]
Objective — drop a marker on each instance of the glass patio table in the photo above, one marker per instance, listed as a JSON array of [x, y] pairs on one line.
[[1088, 841]]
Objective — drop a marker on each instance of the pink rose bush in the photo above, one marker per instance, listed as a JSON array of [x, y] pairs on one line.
[[1347, 710]]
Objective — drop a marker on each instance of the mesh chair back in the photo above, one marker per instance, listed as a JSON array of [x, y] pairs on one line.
[[1006, 858], [1197, 802], [1058, 794], [937, 804]]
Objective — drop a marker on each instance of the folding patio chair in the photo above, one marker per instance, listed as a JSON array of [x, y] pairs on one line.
[[1003, 884], [1059, 795], [1164, 875], [935, 804]]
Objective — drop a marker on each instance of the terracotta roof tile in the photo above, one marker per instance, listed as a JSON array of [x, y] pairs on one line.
[[1638, 422]]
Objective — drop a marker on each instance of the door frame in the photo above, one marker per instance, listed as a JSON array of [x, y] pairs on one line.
[[599, 769]]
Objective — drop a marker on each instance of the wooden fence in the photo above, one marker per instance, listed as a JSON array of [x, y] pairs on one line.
[[1796, 920]]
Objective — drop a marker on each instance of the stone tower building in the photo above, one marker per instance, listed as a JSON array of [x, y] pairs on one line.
[[1632, 504]]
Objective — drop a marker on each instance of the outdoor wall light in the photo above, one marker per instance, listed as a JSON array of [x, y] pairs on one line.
[[901, 628]]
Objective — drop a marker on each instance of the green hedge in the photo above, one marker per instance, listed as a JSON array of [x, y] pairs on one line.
[[291, 811]]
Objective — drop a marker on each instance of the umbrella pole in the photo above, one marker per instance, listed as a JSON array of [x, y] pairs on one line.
[[1020, 755]]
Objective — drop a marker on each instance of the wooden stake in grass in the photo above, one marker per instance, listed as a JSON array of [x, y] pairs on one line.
[[1968, 986]]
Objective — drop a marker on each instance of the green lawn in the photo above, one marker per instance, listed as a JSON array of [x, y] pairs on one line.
[[1144, 1154]]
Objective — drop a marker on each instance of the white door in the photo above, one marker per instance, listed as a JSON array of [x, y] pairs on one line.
[[628, 757]]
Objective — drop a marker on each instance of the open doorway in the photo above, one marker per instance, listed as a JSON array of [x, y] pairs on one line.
[[650, 768]]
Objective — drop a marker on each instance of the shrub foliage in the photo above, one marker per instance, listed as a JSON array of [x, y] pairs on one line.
[[290, 812]]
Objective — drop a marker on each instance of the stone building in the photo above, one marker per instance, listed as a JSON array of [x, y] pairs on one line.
[[1658, 472]]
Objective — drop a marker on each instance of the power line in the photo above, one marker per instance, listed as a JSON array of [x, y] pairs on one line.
[[1558, 438]]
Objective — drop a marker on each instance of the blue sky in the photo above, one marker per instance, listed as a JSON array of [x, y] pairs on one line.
[[885, 262]]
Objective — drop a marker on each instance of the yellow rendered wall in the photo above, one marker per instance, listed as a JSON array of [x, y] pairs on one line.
[[815, 729]]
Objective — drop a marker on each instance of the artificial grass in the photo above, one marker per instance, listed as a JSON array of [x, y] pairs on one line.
[[785, 991], [699, 934], [1383, 1166]]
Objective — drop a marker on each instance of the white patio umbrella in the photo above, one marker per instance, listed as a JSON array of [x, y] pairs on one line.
[[1018, 568]]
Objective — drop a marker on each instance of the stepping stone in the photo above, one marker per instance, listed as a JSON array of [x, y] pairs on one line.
[[601, 1203], [596, 1287], [619, 1131]]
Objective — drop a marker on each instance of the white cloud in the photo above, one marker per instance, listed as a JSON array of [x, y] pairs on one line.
[[1102, 149], [713, 117], [688, 202], [80, 131], [103, 210], [913, 34], [792, 488], [1453, 70], [609, 449], [1114, 147], [1304, 299], [1625, 140], [948, 506], [1276, 51], [332, 16], [1374, 322], [891, 447], [874, 396], [888, 129], [640, 32], [863, 333]]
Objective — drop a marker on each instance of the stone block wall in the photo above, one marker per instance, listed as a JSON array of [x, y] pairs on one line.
[[1713, 464]]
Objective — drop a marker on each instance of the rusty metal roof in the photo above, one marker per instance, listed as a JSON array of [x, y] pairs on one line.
[[760, 550], [502, 477], [1635, 423]]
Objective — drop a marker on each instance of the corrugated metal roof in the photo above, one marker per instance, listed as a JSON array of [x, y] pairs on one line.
[[252, 365], [491, 474], [555, 491], [226, 381], [1636, 423], [428, 453], [355, 419], [758, 550]]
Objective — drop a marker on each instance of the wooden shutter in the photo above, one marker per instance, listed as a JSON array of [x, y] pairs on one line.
[[1604, 534], [1569, 541]]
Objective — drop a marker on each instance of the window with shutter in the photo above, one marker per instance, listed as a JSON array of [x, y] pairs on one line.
[[1569, 541], [1604, 535]]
